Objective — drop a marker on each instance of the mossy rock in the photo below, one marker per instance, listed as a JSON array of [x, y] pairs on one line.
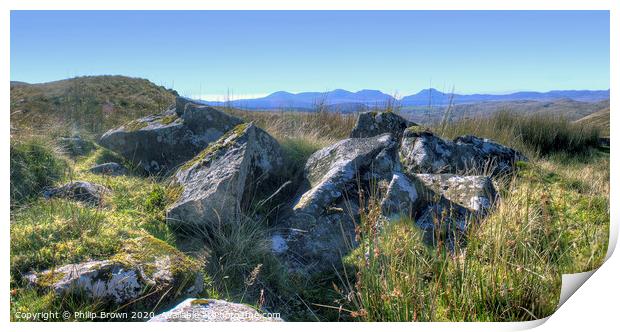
[[145, 272]]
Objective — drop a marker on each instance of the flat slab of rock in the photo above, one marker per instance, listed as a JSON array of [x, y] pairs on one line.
[[111, 169], [371, 124], [208, 310], [424, 152], [225, 175], [82, 191], [158, 143], [102, 279], [145, 266]]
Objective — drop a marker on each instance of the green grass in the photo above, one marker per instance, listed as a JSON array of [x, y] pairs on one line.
[[50, 233], [93, 104], [536, 135], [35, 164], [552, 219]]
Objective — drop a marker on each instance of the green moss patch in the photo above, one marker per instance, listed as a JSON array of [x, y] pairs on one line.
[[135, 125], [209, 152]]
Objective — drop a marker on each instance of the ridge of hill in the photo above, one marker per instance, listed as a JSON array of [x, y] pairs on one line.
[[90, 102]]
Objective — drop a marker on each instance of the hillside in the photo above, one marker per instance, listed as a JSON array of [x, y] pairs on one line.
[[138, 199], [91, 103], [567, 108], [599, 119]]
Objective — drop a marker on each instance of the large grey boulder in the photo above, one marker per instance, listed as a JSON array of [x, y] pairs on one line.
[[87, 192], [146, 269], [111, 169], [371, 124], [159, 143], [209, 310], [321, 226], [224, 177], [453, 203], [332, 171], [424, 152]]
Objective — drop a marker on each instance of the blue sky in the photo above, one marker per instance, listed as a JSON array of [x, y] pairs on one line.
[[253, 53]]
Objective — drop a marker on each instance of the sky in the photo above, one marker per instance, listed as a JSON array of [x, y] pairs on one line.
[[211, 54]]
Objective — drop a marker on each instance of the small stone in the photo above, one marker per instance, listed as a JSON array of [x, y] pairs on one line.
[[82, 191], [111, 169]]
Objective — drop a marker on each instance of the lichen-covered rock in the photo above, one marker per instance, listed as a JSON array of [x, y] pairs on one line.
[[476, 193], [402, 197], [82, 191], [146, 268], [423, 152], [453, 203], [161, 142], [370, 124], [75, 145], [111, 169], [332, 171], [321, 226], [208, 310], [106, 280], [223, 177]]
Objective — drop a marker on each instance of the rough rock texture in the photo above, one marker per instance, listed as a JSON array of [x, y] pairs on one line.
[[147, 268], [75, 145], [82, 191], [321, 226], [223, 177], [453, 203], [402, 197], [112, 169], [475, 193], [161, 142], [371, 124], [208, 310], [104, 279], [332, 171], [423, 152]]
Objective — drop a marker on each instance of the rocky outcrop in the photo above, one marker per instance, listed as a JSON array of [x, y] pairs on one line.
[[222, 178], [371, 124], [146, 268], [424, 152], [90, 193], [111, 169], [159, 143], [321, 225], [453, 203], [208, 310]]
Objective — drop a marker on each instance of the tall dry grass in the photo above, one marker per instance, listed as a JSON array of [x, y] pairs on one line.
[[534, 135]]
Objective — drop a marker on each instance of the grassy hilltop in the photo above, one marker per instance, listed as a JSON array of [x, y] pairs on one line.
[[553, 216], [89, 104]]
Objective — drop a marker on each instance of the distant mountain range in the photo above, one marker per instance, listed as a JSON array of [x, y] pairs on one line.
[[368, 98]]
